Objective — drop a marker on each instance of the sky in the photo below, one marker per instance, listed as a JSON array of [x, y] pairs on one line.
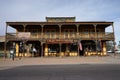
[[83, 10]]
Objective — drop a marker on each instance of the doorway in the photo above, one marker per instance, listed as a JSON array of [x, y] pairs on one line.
[[34, 44]]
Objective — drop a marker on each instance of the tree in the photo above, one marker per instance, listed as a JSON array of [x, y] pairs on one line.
[[110, 46]]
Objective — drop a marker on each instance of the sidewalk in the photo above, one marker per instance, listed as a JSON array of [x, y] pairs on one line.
[[9, 63]]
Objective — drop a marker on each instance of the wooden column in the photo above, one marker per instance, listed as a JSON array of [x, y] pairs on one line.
[[5, 44], [24, 30], [42, 54], [41, 49], [114, 43], [104, 48], [24, 27], [60, 38], [59, 31], [78, 37], [77, 28], [42, 30], [17, 49], [46, 50], [60, 49], [95, 25]]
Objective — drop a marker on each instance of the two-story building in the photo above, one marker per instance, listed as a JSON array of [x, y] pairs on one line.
[[60, 36]]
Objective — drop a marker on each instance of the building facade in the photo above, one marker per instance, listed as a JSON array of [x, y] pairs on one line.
[[60, 36]]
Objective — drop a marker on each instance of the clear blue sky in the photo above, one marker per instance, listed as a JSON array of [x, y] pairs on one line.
[[37, 10]]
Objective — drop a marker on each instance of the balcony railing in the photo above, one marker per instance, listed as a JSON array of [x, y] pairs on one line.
[[81, 35]]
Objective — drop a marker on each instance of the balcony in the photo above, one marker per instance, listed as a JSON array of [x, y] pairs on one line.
[[99, 35], [53, 35]]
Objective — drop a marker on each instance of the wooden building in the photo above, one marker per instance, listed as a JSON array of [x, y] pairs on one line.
[[60, 36]]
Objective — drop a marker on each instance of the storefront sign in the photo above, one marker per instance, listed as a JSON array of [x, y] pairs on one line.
[[24, 35], [59, 41]]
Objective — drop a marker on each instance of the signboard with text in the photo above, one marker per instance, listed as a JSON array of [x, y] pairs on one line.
[[59, 41], [24, 35]]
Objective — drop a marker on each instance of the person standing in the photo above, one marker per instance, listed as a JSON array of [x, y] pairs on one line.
[[12, 52]]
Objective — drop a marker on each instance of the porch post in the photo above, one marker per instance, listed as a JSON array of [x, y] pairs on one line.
[[77, 29], [41, 49], [95, 25], [5, 44], [59, 38], [114, 40], [46, 50], [60, 48], [42, 30], [59, 31], [24, 27], [78, 37], [24, 30], [42, 54]]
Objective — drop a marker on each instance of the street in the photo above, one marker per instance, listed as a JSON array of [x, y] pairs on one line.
[[63, 72]]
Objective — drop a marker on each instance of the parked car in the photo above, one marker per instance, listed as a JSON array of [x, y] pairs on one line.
[[1, 54], [117, 51], [110, 51]]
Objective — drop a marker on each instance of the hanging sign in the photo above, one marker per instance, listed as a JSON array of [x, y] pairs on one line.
[[24, 35]]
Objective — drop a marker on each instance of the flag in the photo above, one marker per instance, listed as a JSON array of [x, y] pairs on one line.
[[80, 45]]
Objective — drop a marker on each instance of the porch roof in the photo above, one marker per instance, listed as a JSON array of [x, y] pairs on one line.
[[17, 25]]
